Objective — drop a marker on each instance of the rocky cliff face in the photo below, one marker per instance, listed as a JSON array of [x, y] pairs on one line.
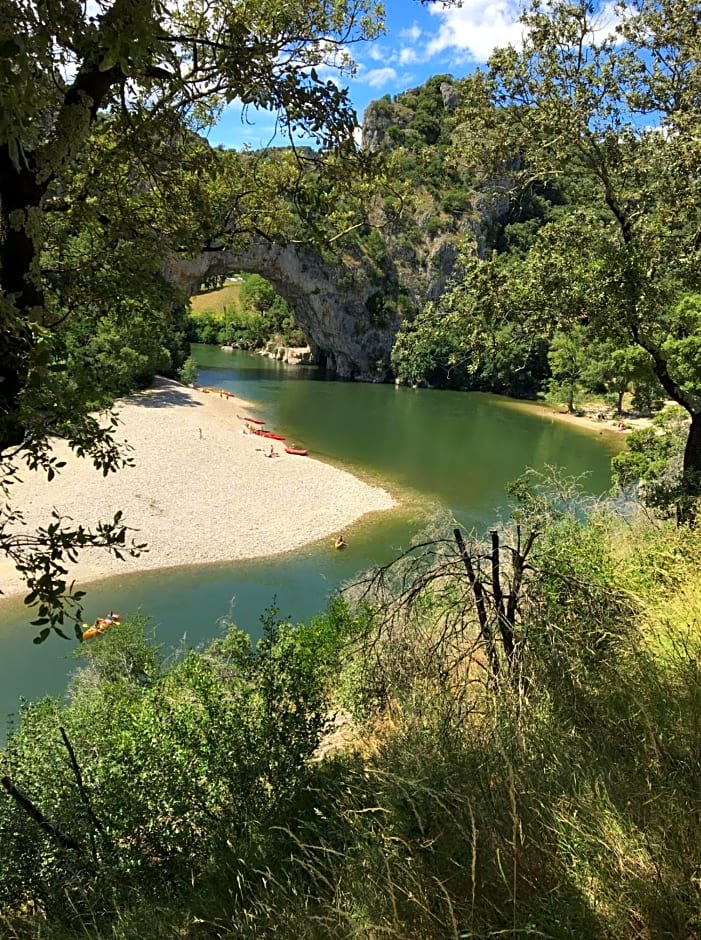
[[419, 121], [350, 309], [332, 302]]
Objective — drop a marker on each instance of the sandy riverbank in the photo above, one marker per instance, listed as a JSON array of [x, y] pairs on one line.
[[587, 420], [200, 491]]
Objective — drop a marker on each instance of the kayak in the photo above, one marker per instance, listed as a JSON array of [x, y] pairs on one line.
[[274, 437], [252, 420], [100, 625], [300, 451]]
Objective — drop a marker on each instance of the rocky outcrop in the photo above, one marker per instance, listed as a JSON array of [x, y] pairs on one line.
[[350, 307], [334, 304], [377, 119], [451, 98], [291, 355]]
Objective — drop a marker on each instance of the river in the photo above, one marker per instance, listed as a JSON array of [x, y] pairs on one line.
[[440, 452]]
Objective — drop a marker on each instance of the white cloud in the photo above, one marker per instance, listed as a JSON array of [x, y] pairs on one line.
[[408, 56], [376, 78], [476, 29], [411, 34], [605, 22], [378, 53]]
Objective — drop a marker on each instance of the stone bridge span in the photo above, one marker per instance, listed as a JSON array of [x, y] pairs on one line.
[[335, 305]]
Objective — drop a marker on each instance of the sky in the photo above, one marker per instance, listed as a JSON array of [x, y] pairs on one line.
[[420, 41]]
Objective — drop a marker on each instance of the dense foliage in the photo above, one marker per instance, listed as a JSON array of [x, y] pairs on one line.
[[262, 317], [583, 146], [610, 113], [153, 770], [480, 788]]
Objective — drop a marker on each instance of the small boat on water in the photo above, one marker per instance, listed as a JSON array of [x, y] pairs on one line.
[[248, 418], [300, 451], [100, 625]]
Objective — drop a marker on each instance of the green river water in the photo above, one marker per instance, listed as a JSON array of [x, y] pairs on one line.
[[439, 452]]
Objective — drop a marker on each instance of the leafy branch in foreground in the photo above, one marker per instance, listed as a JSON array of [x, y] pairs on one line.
[[40, 555]]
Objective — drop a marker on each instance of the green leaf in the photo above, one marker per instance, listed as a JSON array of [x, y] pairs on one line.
[[109, 61]]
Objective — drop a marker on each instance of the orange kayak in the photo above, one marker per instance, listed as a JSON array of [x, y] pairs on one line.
[[100, 625]]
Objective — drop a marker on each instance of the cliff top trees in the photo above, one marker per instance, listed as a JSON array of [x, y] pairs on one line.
[[609, 111]]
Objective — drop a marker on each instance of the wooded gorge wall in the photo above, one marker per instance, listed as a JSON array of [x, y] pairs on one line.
[[351, 307]]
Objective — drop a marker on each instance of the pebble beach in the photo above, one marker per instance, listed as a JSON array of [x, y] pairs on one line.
[[200, 491]]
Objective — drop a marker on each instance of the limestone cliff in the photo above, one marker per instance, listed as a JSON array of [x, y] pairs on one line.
[[350, 308], [332, 302]]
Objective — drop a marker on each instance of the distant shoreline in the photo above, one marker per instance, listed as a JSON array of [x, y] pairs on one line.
[[614, 426], [201, 491]]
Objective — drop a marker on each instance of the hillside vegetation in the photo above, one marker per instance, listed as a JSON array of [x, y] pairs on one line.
[[411, 763], [249, 315], [216, 300]]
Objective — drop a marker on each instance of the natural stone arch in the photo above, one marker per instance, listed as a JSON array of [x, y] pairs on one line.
[[335, 305]]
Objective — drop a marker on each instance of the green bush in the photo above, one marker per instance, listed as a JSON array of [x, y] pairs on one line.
[[177, 763], [188, 373]]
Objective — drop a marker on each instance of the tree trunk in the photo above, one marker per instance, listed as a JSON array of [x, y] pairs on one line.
[[691, 476]]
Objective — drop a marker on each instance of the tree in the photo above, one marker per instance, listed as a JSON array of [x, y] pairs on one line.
[[567, 357], [653, 459], [617, 369], [149, 67], [609, 112], [111, 99]]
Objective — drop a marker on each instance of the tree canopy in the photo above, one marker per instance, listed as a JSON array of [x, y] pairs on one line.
[[102, 173], [607, 110]]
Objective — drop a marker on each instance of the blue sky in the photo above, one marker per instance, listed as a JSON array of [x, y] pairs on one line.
[[420, 42]]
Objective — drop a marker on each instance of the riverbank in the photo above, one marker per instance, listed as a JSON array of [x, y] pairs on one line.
[[588, 419], [200, 490]]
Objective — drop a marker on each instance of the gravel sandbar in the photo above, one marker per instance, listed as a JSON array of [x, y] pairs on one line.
[[201, 490]]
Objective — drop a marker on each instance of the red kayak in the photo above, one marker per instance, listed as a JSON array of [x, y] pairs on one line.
[[252, 420], [274, 437], [296, 450]]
